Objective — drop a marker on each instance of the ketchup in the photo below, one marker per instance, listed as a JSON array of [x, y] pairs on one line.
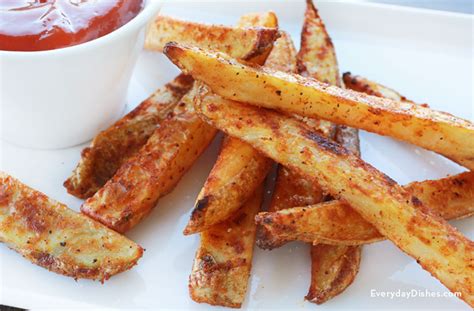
[[37, 25]]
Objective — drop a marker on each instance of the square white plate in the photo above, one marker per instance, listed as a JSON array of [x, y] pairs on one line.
[[426, 55]]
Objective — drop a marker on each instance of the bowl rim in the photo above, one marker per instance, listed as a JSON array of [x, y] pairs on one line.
[[150, 9]]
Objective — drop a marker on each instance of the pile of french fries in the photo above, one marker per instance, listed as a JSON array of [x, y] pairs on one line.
[[275, 106]]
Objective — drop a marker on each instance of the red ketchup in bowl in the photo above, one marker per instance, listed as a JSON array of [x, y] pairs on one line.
[[38, 25]]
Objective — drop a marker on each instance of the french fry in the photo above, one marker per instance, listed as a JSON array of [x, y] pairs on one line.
[[239, 168], [252, 42], [336, 222], [333, 267], [316, 58], [154, 171], [438, 131], [223, 262], [54, 237], [171, 150], [363, 85], [438, 248], [113, 146]]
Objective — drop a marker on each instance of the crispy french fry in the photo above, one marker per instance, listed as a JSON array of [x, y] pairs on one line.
[[153, 172], [316, 58], [239, 168], [394, 212], [112, 147], [336, 222], [54, 237], [223, 261], [363, 85], [243, 43], [171, 150], [438, 131], [333, 267]]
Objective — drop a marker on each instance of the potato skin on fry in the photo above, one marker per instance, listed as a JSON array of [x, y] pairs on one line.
[[223, 261], [336, 222], [238, 169], [154, 171], [437, 247], [434, 130], [54, 237], [363, 85], [252, 41], [113, 146], [224, 258], [333, 268]]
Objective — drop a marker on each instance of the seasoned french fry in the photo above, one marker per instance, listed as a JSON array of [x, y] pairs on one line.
[[317, 56], [54, 237], [171, 150], [224, 259], [112, 147], [337, 223], [394, 212], [154, 171], [243, 43], [239, 168], [363, 85], [434, 130], [333, 267]]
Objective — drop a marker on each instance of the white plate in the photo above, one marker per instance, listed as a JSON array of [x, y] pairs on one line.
[[426, 55]]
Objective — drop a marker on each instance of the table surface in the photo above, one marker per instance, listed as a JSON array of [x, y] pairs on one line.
[[458, 6]]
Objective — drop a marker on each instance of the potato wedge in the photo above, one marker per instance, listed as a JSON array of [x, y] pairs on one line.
[[394, 212], [316, 58], [336, 222], [243, 43], [363, 85], [113, 146], [154, 171], [239, 168], [333, 267], [434, 130], [223, 261], [157, 168], [52, 236]]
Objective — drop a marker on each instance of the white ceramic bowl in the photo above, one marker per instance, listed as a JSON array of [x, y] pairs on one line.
[[60, 98]]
